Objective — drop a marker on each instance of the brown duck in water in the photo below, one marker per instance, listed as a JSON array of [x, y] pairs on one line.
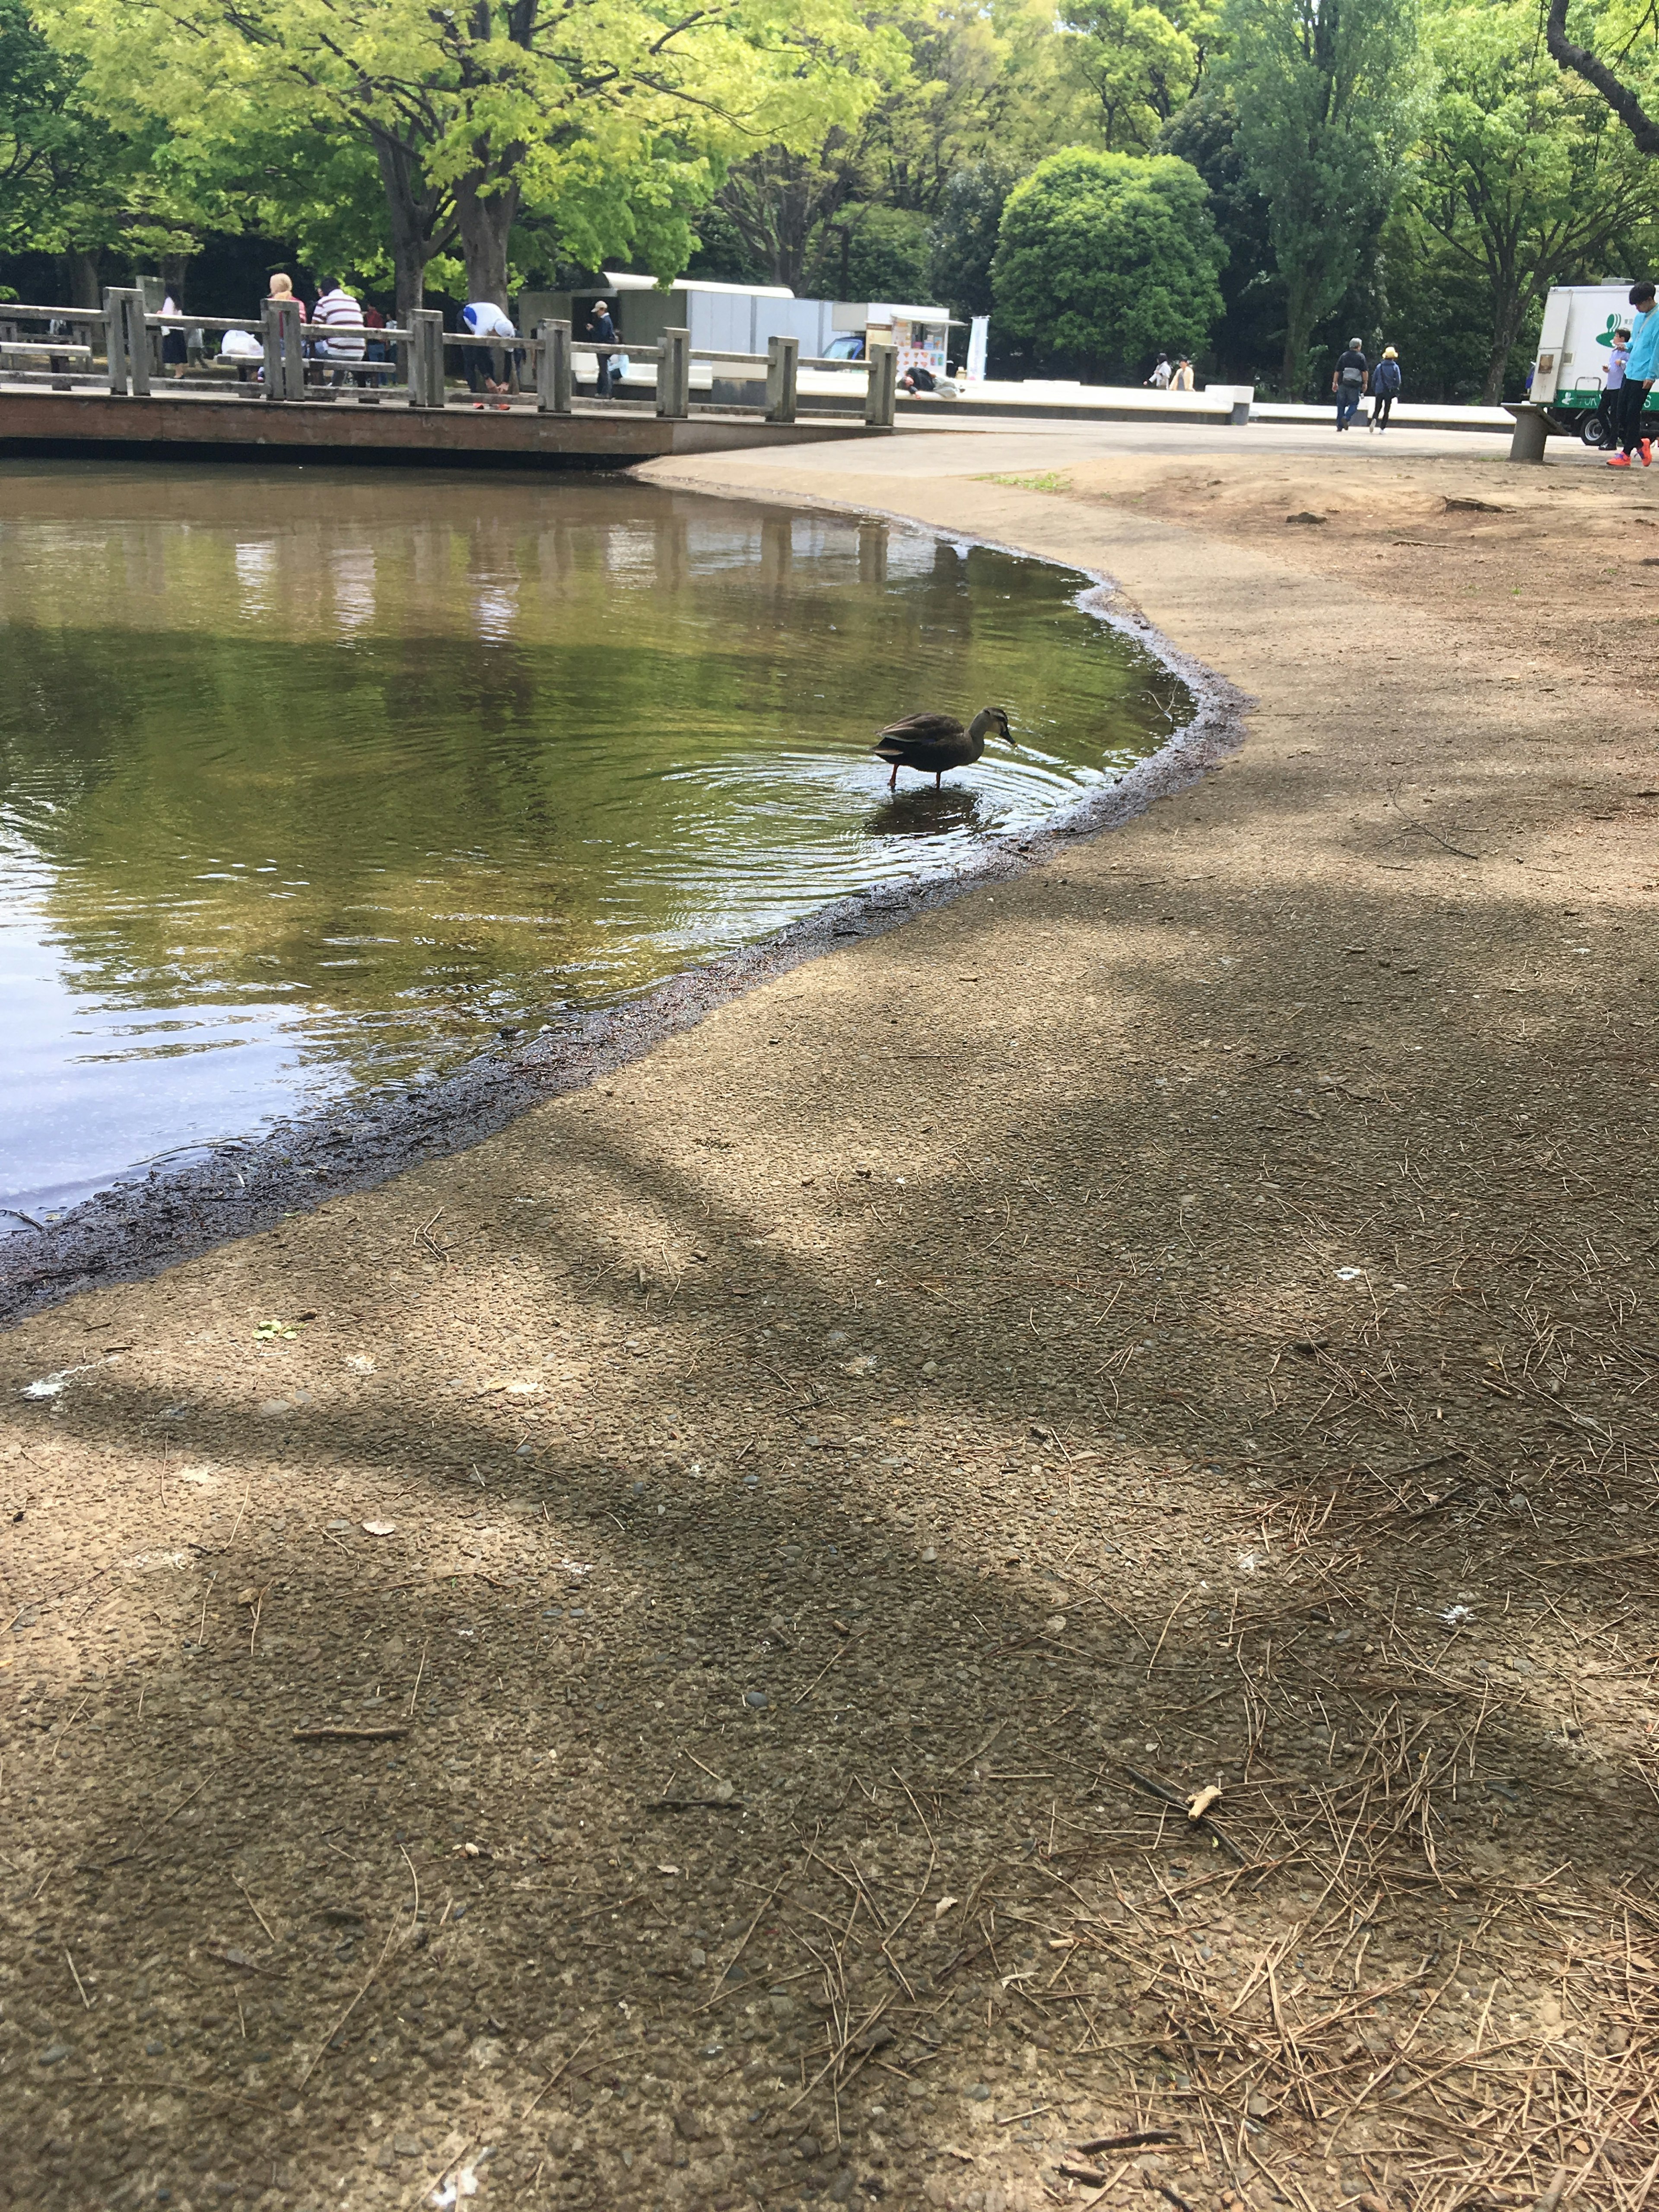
[[932, 743]]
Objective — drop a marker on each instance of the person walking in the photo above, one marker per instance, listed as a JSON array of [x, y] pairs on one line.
[[1159, 379], [340, 317], [1385, 389], [602, 332], [1183, 379], [175, 353], [1348, 381], [1608, 406], [1641, 368]]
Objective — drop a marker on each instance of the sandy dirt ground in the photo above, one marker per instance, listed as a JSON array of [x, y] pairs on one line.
[[669, 1659]]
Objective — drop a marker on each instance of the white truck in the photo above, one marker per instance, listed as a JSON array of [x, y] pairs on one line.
[[1570, 376]]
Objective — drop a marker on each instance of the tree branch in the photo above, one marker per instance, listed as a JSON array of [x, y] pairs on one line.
[[1619, 96]]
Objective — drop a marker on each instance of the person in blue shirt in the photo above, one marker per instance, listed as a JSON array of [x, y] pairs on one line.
[[1641, 369]]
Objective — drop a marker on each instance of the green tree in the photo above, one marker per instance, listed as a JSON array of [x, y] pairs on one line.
[[986, 79], [1206, 133], [1140, 62], [871, 254], [1524, 178], [1105, 257], [964, 240], [1629, 30], [76, 184], [607, 121], [1328, 93]]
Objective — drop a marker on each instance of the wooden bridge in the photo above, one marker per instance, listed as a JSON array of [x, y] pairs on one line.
[[102, 391]]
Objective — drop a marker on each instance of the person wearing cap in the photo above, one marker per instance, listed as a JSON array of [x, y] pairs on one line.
[[1348, 381], [1641, 369], [1159, 379], [1385, 387]]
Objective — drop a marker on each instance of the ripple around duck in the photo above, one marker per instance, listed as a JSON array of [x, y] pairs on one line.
[[285, 811]]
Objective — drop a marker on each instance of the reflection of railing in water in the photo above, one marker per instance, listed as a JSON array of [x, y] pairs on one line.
[[289, 348]]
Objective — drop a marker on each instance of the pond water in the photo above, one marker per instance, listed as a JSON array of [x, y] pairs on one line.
[[312, 780]]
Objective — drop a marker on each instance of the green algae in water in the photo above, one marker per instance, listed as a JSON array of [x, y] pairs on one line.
[[311, 781]]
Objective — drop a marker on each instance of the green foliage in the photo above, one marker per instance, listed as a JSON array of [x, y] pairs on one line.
[[1328, 93], [1104, 257], [963, 239], [1141, 63], [871, 254], [70, 183], [991, 81], [722, 253], [606, 122], [43, 139], [1524, 178], [1251, 335]]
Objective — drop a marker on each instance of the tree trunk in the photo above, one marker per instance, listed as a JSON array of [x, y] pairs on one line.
[[420, 227], [486, 221], [1506, 324], [1298, 329], [81, 278]]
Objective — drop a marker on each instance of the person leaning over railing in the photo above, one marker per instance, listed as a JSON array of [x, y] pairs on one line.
[[483, 319]]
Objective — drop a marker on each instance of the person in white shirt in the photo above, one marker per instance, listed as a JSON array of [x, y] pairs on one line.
[[1159, 379], [175, 353], [247, 352], [483, 319], [339, 317]]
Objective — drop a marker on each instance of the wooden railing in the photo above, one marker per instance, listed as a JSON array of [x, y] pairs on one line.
[[415, 359]]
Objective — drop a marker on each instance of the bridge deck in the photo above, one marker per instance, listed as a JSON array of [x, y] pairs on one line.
[[197, 425]]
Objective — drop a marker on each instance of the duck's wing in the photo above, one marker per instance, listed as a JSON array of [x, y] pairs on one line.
[[922, 730]]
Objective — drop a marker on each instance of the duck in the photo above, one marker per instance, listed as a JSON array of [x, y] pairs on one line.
[[932, 743]]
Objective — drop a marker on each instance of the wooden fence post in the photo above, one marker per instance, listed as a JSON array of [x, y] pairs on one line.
[[553, 367], [426, 358], [135, 341], [881, 390], [285, 365], [115, 341], [782, 361], [674, 376]]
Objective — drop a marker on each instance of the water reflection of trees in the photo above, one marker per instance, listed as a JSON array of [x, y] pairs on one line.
[[434, 762]]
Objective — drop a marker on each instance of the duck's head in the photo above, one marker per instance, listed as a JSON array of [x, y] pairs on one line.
[[997, 718]]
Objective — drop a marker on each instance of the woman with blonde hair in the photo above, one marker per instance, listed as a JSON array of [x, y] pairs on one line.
[[282, 288]]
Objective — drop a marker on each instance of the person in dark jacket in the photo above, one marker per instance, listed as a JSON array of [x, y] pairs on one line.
[[1348, 381], [602, 332], [1385, 389]]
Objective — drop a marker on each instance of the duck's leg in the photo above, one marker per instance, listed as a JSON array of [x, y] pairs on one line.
[[892, 781], [939, 774]]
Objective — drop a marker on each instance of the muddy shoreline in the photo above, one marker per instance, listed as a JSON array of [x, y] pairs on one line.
[[134, 1230]]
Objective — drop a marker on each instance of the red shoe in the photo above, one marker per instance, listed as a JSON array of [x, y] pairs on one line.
[[1646, 452], [1618, 460]]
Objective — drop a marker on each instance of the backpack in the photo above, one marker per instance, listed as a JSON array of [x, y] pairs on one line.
[[1387, 379], [1354, 377]]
